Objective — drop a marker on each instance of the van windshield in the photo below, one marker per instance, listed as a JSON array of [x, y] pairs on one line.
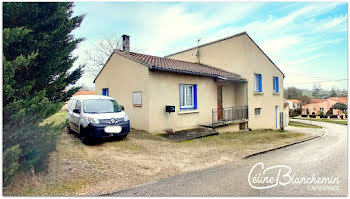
[[101, 106]]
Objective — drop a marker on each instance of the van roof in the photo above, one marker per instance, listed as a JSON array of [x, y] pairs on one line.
[[86, 97]]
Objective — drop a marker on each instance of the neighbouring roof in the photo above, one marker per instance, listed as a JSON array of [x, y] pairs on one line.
[[84, 93], [294, 100], [343, 100], [312, 101], [229, 37], [172, 65], [85, 97]]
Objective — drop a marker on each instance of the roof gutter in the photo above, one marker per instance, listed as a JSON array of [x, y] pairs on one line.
[[193, 73]]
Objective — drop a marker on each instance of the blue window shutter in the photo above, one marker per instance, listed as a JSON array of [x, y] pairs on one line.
[[195, 96], [260, 83], [103, 91], [277, 86]]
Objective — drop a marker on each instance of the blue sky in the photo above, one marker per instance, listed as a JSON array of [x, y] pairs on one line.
[[306, 40]]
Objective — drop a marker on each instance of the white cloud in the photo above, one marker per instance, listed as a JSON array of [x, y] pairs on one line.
[[303, 60], [175, 24], [290, 40]]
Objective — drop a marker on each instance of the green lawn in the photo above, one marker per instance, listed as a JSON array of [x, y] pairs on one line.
[[335, 121], [57, 118], [303, 125]]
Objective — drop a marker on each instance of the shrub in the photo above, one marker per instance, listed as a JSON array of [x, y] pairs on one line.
[[329, 112], [169, 131], [35, 142], [321, 114], [340, 106], [10, 163]]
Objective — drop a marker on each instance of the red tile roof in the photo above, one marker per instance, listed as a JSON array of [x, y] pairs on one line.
[[172, 65], [312, 101], [294, 100], [343, 100], [85, 93]]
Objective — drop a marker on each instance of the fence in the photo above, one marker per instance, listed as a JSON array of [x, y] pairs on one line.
[[229, 114]]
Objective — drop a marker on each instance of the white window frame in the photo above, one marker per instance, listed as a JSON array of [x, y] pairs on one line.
[[137, 95], [257, 83], [274, 84], [185, 106]]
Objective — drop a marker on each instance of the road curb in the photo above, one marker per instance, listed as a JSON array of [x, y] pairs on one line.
[[286, 145]]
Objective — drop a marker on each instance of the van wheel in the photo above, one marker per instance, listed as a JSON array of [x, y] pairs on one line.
[[84, 137]]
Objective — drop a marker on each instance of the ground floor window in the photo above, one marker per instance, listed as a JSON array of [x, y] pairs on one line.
[[257, 111], [188, 96], [137, 98], [105, 91]]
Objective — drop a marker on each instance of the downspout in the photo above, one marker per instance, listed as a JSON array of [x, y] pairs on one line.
[[246, 101]]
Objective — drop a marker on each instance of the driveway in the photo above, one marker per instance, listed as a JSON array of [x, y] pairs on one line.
[[324, 157]]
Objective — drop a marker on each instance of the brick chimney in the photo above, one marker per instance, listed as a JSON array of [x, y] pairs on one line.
[[126, 44]]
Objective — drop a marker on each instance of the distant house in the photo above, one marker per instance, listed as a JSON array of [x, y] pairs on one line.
[[84, 93], [286, 111], [228, 82], [64, 107], [294, 104], [316, 106]]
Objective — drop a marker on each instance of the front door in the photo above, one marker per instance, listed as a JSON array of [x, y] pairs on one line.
[[219, 93]]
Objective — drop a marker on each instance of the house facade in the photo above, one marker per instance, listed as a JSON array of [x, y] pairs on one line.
[[229, 83], [294, 104], [316, 106]]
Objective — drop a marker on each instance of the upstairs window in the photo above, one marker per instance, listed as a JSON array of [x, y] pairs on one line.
[[105, 92], [258, 83], [275, 85], [188, 96]]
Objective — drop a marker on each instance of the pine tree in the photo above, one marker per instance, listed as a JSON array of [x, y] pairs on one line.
[[37, 54]]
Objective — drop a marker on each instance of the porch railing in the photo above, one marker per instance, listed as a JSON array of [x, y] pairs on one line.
[[229, 114]]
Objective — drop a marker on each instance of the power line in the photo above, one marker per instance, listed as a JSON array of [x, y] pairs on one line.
[[307, 75], [336, 80]]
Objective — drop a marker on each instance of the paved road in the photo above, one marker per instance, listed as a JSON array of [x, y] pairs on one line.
[[323, 157]]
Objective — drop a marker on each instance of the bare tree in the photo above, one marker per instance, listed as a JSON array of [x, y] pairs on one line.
[[305, 100], [99, 53], [316, 90]]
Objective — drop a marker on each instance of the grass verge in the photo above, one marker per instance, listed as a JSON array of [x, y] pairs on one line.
[[334, 121], [303, 125]]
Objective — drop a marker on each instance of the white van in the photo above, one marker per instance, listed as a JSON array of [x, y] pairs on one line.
[[96, 117]]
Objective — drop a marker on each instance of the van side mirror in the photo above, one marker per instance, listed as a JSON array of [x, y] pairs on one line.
[[76, 110], [122, 107]]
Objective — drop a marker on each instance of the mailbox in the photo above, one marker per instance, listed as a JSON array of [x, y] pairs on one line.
[[169, 109]]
